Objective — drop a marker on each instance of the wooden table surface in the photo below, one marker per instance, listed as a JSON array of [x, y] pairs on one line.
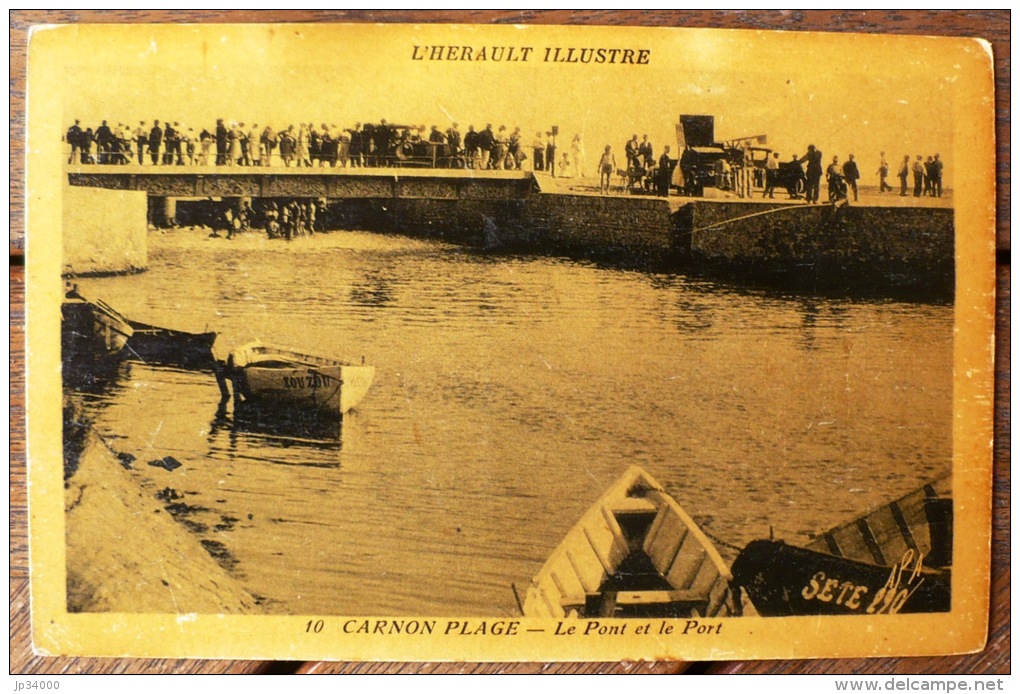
[[992, 25]]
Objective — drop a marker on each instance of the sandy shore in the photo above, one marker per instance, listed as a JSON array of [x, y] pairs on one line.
[[125, 553]]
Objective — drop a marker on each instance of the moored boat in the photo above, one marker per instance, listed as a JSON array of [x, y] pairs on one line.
[[275, 377], [151, 343], [894, 559], [91, 329], [634, 553]]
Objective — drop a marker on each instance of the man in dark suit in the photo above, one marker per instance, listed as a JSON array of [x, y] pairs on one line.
[[104, 138], [74, 138], [812, 186], [851, 174], [664, 173], [155, 140], [221, 142]]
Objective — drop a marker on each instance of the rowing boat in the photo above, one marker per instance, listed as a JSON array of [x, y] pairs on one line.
[[91, 329], [894, 559], [275, 377], [154, 344], [634, 553]]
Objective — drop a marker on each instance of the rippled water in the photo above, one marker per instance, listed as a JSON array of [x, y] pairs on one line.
[[509, 393]]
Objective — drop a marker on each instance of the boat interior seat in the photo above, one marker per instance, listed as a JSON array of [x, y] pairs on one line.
[[634, 516]]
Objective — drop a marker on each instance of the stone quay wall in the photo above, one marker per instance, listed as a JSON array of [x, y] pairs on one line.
[[847, 244]]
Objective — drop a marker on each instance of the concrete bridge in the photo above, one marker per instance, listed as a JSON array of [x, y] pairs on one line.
[[884, 244], [331, 183]]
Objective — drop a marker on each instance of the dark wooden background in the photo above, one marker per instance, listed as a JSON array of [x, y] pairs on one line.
[[993, 25]]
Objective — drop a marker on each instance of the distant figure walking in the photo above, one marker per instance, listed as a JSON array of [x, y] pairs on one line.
[[607, 165]]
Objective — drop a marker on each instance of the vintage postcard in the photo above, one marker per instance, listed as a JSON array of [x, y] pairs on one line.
[[513, 343]]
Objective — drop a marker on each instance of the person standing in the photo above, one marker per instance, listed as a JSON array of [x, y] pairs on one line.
[[646, 152], [918, 176], [607, 165], [141, 141], [632, 151], [501, 148], [664, 173], [155, 141], [835, 179], [813, 174], [883, 172], [538, 152], [851, 174], [74, 137], [550, 152], [471, 148], [169, 137], [903, 174], [937, 181], [453, 147], [221, 142], [577, 151], [356, 146], [288, 145], [771, 174], [486, 141], [255, 145], [205, 139], [269, 141]]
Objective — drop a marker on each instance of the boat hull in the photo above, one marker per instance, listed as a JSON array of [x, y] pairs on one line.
[[156, 345], [90, 330], [277, 378], [783, 580]]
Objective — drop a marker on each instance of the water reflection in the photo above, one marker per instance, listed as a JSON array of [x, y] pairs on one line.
[[509, 392]]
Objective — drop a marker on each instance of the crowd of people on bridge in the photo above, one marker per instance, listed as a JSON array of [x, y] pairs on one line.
[[166, 143], [385, 144]]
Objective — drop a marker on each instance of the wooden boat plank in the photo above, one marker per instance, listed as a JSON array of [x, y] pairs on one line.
[[720, 603], [691, 557], [653, 531], [602, 546], [888, 535], [618, 549], [704, 579], [659, 597], [565, 577], [633, 505], [590, 570], [849, 540], [551, 607], [663, 548]]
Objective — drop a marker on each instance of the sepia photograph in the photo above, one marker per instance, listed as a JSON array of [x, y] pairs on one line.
[[467, 342]]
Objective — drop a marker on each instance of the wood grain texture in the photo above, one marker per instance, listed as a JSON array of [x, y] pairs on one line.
[[992, 25]]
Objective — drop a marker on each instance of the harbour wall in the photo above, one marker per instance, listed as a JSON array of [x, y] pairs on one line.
[[104, 231], [583, 226], [844, 248], [838, 246]]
